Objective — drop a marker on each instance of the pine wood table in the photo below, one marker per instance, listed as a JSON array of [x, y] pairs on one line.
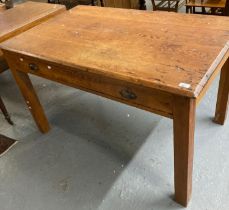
[[151, 60]]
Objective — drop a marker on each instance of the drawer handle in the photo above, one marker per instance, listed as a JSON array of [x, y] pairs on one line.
[[33, 67], [128, 94]]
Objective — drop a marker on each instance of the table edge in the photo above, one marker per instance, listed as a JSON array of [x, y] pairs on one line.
[[213, 69]]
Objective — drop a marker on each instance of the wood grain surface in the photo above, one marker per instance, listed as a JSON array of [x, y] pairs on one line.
[[138, 58], [148, 99], [183, 129], [151, 49], [24, 16]]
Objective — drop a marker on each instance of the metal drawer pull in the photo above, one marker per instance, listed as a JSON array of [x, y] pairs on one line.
[[128, 94], [33, 67]]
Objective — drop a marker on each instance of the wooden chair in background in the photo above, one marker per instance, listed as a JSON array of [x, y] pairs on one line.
[[5, 113], [72, 3], [211, 7], [93, 3], [167, 5], [127, 4]]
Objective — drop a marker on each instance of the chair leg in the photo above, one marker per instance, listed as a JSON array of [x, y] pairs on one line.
[[102, 3], [187, 9], [93, 3], [176, 6], [142, 4], [193, 10], [169, 5], [154, 5], [4, 111], [203, 10]]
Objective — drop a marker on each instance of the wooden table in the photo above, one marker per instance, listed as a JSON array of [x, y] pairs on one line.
[[208, 3], [161, 66], [212, 4]]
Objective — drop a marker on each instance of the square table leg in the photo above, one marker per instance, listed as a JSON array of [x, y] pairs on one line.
[[184, 126], [32, 100], [223, 95]]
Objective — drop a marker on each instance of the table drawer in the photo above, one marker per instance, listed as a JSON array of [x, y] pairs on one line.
[[145, 98]]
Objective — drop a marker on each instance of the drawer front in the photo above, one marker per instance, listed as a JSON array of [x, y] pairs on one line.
[[145, 98]]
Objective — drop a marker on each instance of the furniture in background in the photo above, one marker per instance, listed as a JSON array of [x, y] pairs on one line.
[[3, 64], [128, 4], [214, 7], [146, 76], [6, 4], [94, 2], [166, 5], [4, 111], [9, 4], [72, 3], [2, 7], [18, 20], [3, 67], [22, 18], [6, 143]]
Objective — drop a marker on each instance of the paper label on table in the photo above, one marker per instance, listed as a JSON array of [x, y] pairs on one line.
[[184, 85]]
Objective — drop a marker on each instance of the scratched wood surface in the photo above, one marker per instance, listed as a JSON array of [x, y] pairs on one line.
[[152, 49]]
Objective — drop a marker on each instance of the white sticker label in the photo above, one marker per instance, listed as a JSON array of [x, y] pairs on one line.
[[184, 85]]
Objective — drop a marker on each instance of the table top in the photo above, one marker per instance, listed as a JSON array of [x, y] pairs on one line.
[[172, 52], [207, 3], [25, 15]]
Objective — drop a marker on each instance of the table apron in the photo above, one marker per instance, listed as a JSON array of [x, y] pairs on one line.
[[149, 99]]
